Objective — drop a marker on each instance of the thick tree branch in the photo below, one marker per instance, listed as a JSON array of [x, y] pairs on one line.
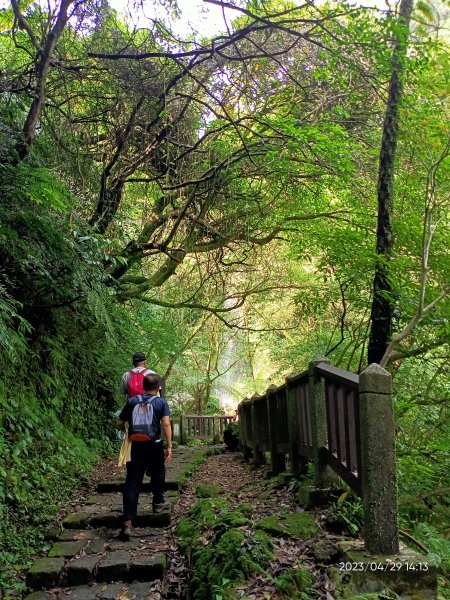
[[42, 66]]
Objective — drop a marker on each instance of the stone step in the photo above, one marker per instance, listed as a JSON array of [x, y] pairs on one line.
[[90, 562], [183, 457], [105, 510], [83, 557], [97, 591], [115, 484]]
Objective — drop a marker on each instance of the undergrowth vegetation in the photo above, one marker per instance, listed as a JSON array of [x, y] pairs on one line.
[[63, 344]]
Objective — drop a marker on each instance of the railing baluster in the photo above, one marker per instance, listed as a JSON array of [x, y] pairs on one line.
[[300, 393], [353, 424], [307, 402], [340, 407], [331, 417]]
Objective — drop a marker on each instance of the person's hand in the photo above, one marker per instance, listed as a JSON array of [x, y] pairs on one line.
[[168, 454]]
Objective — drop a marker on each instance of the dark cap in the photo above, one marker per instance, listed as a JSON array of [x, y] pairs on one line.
[[139, 357]]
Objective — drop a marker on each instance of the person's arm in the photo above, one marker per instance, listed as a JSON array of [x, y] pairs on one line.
[[123, 417], [167, 429]]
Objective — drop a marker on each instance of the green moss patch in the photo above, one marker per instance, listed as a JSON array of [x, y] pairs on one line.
[[296, 525], [295, 584], [234, 558], [208, 491], [244, 508], [208, 511], [187, 532]]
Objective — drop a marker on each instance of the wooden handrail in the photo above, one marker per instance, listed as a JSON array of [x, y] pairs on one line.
[[332, 417]]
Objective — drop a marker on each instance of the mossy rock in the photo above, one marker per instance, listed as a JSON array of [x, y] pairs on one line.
[[208, 491], [234, 519], [241, 556], [346, 589], [295, 583], [234, 558], [326, 551], [296, 525], [187, 532], [374, 596], [207, 511], [245, 508], [200, 587]]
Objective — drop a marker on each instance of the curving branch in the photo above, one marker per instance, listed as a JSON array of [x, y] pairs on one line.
[[429, 228]]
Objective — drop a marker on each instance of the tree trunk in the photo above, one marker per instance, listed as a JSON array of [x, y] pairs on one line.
[[41, 69], [382, 305]]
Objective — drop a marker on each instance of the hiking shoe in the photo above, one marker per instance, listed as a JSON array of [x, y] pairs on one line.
[[125, 532], [157, 508]]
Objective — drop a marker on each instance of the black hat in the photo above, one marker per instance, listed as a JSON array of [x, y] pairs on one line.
[[139, 357]]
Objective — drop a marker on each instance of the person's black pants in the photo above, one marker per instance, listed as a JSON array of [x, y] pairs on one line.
[[145, 456]]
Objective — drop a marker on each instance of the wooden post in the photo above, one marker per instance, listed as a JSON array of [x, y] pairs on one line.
[[182, 437], [243, 412], [318, 422], [258, 455], [299, 463], [377, 434], [278, 461], [175, 422], [217, 437]]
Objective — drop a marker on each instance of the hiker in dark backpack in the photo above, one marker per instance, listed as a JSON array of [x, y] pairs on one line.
[[132, 381], [146, 414]]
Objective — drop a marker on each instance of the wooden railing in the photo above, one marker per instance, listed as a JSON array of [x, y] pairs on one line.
[[343, 447], [340, 421], [203, 427]]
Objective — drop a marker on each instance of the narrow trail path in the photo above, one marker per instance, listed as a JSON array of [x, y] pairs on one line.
[[242, 483], [89, 562]]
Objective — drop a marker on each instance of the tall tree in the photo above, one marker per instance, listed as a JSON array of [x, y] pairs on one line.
[[382, 305]]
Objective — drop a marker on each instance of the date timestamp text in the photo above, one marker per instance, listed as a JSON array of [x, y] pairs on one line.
[[385, 567]]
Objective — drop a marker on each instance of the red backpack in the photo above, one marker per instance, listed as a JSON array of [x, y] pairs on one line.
[[136, 383]]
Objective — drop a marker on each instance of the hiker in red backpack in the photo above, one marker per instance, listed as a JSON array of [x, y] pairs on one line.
[[147, 416], [132, 381]]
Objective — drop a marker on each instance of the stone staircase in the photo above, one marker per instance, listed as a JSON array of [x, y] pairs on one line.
[[90, 562]]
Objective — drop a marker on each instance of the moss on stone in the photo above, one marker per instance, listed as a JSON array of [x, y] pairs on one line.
[[207, 511], [234, 519], [187, 532], [244, 508], [233, 559], [208, 491], [376, 596], [296, 525], [76, 520], [295, 583]]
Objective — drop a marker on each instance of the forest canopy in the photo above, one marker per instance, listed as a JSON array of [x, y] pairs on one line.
[[234, 205]]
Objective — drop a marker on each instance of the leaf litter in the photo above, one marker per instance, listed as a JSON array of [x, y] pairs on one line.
[[241, 482]]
